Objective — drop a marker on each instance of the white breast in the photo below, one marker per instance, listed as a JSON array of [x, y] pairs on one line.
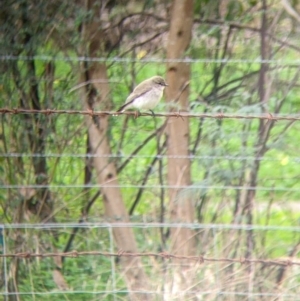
[[149, 100]]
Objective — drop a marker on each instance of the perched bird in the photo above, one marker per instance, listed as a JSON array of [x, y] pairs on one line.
[[146, 95]]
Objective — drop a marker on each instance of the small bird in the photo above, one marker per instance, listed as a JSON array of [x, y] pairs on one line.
[[146, 95]]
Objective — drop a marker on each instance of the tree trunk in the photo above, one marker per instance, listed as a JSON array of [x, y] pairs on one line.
[[94, 95], [178, 76]]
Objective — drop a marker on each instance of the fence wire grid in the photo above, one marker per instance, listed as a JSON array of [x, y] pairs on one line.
[[219, 268], [57, 239], [85, 252]]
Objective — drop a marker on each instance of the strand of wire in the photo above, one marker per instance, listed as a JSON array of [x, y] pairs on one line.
[[124, 186], [122, 222], [292, 297], [165, 255], [145, 60], [267, 116], [125, 156]]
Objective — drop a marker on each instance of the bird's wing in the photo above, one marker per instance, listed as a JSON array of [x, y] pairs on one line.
[[137, 92]]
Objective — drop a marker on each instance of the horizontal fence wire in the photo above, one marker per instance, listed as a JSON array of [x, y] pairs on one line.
[[292, 297], [192, 157], [165, 255], [118, 223], [186, 187], [266, 116], [147, 60]]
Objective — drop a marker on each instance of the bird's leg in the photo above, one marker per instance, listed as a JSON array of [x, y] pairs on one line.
[[136, 114], [152, 113]]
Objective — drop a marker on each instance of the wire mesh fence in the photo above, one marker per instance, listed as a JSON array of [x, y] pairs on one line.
[[89, 259], [92, 266], [101, 205]]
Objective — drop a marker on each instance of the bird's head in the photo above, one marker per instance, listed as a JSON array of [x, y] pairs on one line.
[[158, 80]]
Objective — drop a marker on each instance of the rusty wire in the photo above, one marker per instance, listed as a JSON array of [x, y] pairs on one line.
[[266, 116], [164, 255]]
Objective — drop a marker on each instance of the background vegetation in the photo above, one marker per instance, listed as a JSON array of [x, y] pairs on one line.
[[236, 181]]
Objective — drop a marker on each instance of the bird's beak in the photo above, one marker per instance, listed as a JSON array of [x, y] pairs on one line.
[[166, 85]]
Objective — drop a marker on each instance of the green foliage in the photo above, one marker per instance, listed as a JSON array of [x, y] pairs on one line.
[[224, 149]]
